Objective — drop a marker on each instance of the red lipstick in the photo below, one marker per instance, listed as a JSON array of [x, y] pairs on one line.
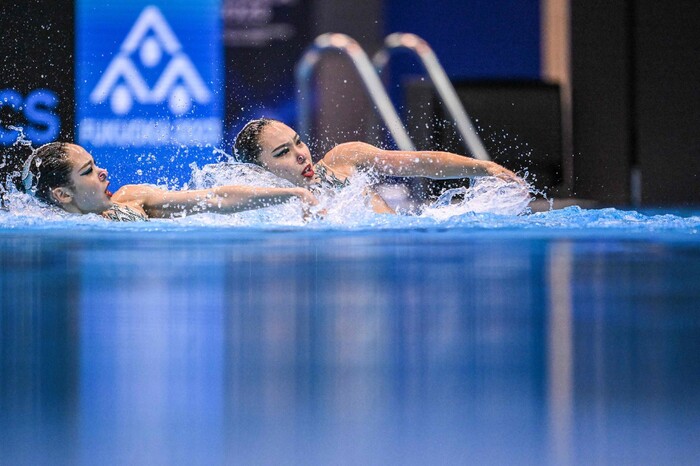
[[308, 171]]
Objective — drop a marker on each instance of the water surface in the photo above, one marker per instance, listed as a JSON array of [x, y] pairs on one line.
[[568, 337]]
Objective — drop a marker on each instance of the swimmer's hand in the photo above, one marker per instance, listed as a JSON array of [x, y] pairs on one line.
[[498, 171], [310, 215], [308, 199], [305, 196]]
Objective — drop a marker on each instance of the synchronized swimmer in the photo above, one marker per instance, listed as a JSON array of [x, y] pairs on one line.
[[278, 148], [66, 175]]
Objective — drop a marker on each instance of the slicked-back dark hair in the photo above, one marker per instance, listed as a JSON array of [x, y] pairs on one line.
[[247, 144], [51, 169]]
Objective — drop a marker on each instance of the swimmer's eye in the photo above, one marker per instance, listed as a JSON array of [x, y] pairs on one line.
[[86, 172], [282, 152]]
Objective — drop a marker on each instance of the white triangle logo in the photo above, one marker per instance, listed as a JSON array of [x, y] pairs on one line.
[[179, 83]]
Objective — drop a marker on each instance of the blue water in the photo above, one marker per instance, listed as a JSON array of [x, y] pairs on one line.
[[566, 337]]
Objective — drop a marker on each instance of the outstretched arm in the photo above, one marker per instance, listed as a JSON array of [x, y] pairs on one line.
[[223, 199], [428, 164]]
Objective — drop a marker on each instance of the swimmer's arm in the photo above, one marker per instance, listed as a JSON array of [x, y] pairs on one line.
[[223, 199], [428, 164]]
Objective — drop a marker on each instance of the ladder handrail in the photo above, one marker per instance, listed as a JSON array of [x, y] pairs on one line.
[[442, 84], [368, 74]]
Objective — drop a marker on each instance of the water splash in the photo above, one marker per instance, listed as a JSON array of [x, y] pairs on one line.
[[488, 204], [15, 166], [346, 206], [233, 173], [485, 195]]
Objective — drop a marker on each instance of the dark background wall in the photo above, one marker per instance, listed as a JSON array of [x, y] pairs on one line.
[[36, 58], [666, 108], [601, 71], [635, 68]]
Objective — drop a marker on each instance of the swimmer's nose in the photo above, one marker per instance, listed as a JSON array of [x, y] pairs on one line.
[[103, 174], [301, 158]]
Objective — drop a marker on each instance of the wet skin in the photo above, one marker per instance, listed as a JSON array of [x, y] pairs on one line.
[[87, 192], [286, 155]]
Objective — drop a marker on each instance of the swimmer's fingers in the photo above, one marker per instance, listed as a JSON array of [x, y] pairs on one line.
[[308, 200], [306, 214], [510, 177], [306, 196], [310, 215]]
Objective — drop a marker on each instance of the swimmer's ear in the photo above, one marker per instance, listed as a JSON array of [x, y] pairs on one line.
[[62, 195]]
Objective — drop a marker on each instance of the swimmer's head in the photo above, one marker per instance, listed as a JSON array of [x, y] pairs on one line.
[[48, 168], [276, 147], [247, 144], [65, 175]]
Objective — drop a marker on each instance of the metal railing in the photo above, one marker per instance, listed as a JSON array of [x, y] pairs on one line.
[[443, 86], [368, 74], [369, 70]]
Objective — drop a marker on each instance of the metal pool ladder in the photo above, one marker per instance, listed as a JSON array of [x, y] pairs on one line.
[[442, 84], [369, 73], [369, 76]]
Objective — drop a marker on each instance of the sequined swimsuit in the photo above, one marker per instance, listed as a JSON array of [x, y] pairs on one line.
[[328, 178], [124, 213]]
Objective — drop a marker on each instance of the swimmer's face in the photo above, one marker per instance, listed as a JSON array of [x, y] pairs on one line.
[[285, 154], [88, 191]]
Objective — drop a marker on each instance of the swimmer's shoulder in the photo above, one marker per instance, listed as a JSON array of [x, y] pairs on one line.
[[349, 155], [134, 193]]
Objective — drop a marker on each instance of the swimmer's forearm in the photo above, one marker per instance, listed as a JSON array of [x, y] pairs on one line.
[[436, 165], [223, 199], [427, 164], [229, 199]]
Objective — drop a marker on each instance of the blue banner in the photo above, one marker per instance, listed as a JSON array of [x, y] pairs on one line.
[[149, 98]]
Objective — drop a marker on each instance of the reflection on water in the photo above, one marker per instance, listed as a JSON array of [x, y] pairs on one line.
[[347, 348]]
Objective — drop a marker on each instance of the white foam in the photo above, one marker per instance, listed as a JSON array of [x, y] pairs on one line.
[[337, 208], [488, 203]]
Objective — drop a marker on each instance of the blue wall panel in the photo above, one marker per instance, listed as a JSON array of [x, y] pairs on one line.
[[474, 39]]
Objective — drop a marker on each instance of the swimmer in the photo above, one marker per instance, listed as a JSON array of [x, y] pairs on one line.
[[65, 175], [278, 148]]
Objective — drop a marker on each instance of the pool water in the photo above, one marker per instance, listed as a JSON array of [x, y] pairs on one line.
[[566, 337]]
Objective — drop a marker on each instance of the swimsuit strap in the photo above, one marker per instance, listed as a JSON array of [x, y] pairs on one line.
[[123, 213]]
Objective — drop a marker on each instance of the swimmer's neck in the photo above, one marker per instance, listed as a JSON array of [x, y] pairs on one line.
[[73, 209]]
